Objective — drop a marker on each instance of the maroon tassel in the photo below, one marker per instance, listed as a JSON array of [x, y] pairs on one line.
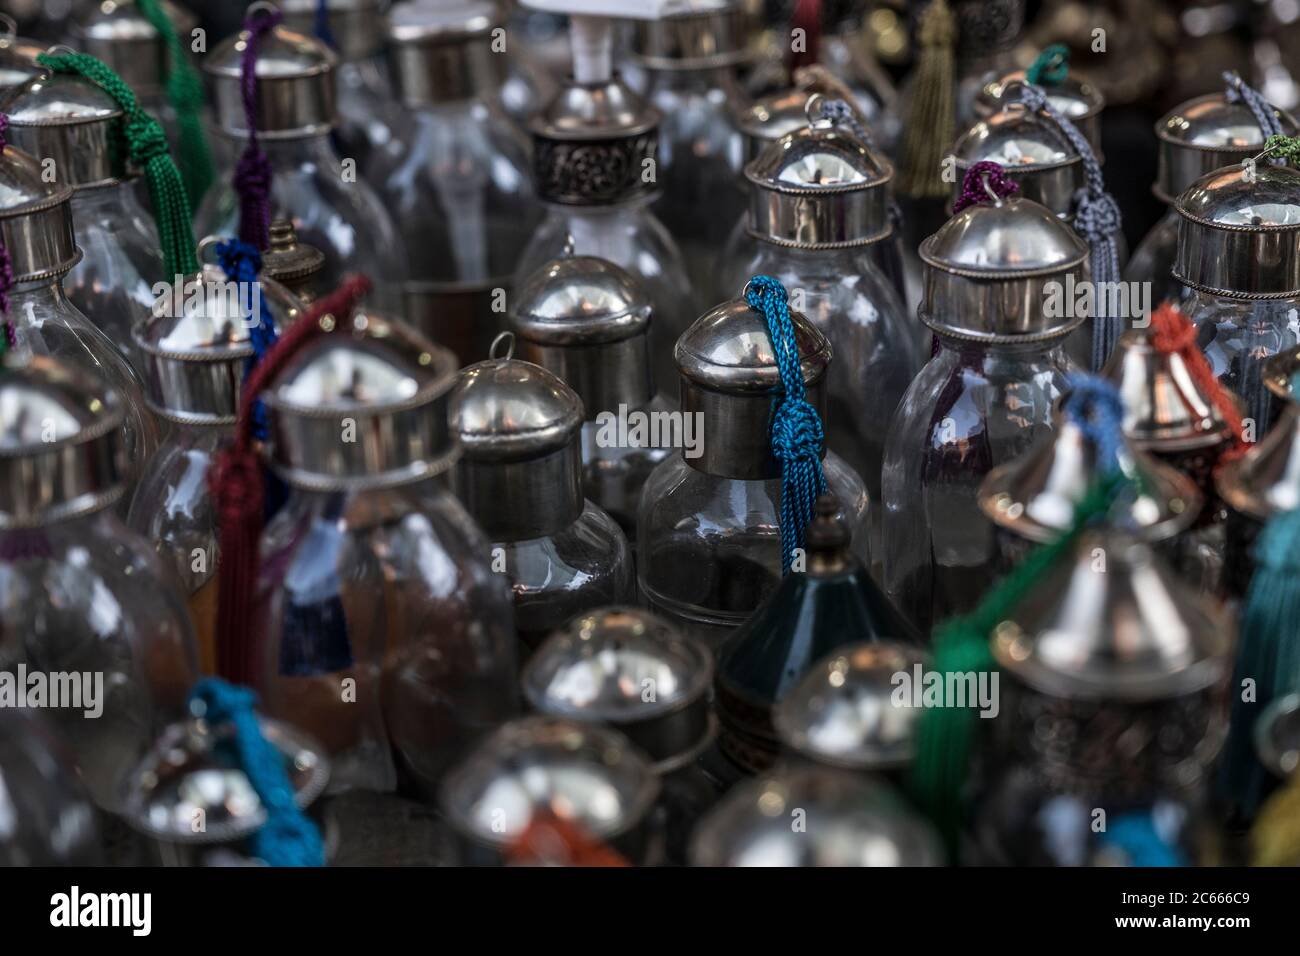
[[807, 16], [236, 483]]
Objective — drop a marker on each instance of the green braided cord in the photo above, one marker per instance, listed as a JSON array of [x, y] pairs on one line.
[[147, 147], [1288, 147], [946, 735], [1051, 67], [185, 93]]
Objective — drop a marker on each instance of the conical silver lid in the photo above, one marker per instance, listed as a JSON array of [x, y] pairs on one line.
[[507, 410], [116, 32], [1111, 621], [443, 53], [71, 122], [1266, 480], [1032, 151], [357, 26], [35, 219], [296, 85]]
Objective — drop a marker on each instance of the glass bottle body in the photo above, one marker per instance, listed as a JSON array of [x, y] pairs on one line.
[[88, 597], [1153, 261], [459, 188], [615, 471], [370, 119], [971, 408], [709, 547], [629, 236], [383, 631], [331, 208], [45, 322]]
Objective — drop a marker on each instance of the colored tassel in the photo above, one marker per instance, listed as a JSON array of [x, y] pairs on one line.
[[1051, 67], [932, 119], [322, 25], [549, 840], [1137, 837], [254, 174], [982, 183], [241, 264], [1238, 91]]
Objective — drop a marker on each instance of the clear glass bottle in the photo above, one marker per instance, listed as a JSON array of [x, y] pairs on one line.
[[519, 476], [458, 182], [84, 596], [330, 205], [17, 58], [708, 526], [985, 398], [382, 630]]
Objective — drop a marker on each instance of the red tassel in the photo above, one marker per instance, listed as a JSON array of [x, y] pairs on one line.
[[807, 16], [551, 841], [236, 485]]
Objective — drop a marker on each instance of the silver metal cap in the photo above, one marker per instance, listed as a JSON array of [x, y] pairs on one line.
[[35, 219], [1031, 149], [768, 118], [116, 32], [1126, 628], [819, 188], [17, 57], [850, 821], [714, 33], [364, 407], [62, 452], [1205, 134], [988, 268], [441, 54], [295, 85], [192, 770], [625, 667], [1239, 233], [291, 262], [1266, 480], [1076, 99], [581, 773], [72, 122], [843, 712], [357, 26]]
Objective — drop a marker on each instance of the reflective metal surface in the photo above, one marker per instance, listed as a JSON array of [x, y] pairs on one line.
[[357, 26], [1277, 736], [17, 60], [1266, 480], [71, 122], [714, 33], [1076, 99], [440, 54], [1033, 152], [35, 220], [292, 263], [116, 32]]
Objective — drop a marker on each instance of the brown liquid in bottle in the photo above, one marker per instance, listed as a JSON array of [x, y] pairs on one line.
[[202, 606]]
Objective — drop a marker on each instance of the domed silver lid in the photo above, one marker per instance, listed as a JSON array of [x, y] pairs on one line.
[[1032, 151], [583, 774], [1277, 736], [116, 32], [295, 85], [61, 448], [819, 188], [843, 712], [443, 53], [1239, 232], [365, 407], [192, 770], [507, 410], [1205, 134], [69, 121], [1111, 621], [769, 118], [580, 300], [707, 35], [357, 26], [1266, 480], [848, 820], [17, 56], [625, 667], [35, 219], [989, 268], [1074, 98]]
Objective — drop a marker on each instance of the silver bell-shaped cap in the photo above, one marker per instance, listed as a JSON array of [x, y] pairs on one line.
[[819, 187], [70, 121], [1033, 152], [17, 56], [35, 219], [849, 820], [989, 268], [357, 26], [364, 407], [583, 774], [443, 53], [707, 35], [62, 452], [1074, 98], [1205, 134], [295, 84], [844, 712], [630, 670], [1111, 621], [1239, 232], [1266, 480], [116, 32]]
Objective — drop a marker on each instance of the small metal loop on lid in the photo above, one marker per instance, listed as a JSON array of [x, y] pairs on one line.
[[813, 110], [8, 26], [503, 346]]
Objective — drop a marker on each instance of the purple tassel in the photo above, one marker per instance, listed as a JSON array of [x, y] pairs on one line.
[[253, 174]]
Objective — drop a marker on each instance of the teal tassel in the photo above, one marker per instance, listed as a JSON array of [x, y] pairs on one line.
[[1136, 836]]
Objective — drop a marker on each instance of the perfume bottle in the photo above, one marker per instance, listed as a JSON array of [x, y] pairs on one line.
[[82, 594], [984, 398], [1075, 98], [520, 477], [36, 228], [588, 321], [458, 180], [17, 56], [381, 628], [329, 204], [708, 526]]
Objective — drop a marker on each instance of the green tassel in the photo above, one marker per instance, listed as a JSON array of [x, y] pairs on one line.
[[932, 119], [1287, 147], [1051, 67]]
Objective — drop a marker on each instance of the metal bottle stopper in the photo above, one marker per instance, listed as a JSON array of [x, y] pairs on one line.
[[356, 25], [442, 55], [1032, 151], [707, 36], [291, 262], [35, 220], [1076, 99], [116, 32]]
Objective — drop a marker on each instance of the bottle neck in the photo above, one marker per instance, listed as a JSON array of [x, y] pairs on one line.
[[605, 376], [42, 293], [519, 500]]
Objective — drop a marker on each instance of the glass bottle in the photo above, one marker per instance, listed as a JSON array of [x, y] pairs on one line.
[[819, 204], [520, 477], [708, 525], [86, 602], [1112, 704], [36, 227], [982, 400], [382, 630], [458, 181], [329, 204], [17, 56], [197, 346], [588, 321]]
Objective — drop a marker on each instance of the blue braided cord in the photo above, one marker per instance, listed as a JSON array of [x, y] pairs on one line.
[[1136, 835], [288, 838], [323, 32], [797, 434], [842, 114], [1095, 407], [242, 263], [1238, 91]]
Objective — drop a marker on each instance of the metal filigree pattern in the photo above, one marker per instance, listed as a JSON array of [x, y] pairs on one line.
[[596, 172]]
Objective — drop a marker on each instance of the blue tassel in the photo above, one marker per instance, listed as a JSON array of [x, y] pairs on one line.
[[242, 263], [323, 31], [1135, 835], [1095, 407]]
